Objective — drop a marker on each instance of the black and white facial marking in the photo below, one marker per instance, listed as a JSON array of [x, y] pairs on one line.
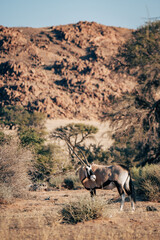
[[90, 173]]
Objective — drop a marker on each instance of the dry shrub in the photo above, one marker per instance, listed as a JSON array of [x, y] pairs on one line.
[[67, 180], [147, 181], [72, 181], [56, 181], [82, 210], [14, 165]]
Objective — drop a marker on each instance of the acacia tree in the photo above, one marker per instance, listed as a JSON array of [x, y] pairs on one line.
[[74, 135], [136, 115]]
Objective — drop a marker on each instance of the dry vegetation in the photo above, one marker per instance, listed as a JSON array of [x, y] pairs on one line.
[[49, 215], [14, 166], [40, 219], [42, 215], [147, 181]]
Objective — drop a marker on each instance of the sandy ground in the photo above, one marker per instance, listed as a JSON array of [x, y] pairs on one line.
[[38, 218]]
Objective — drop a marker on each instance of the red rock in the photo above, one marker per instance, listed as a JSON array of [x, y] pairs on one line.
[[64, 71]]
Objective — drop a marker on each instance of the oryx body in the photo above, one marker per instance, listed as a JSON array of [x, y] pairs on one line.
[[108, 177], [99, 176]]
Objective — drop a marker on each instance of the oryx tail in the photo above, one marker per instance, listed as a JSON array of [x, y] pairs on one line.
[[129, 187]]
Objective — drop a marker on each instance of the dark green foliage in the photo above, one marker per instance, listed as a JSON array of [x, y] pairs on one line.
[[144, 47], [50, 159], [30, 125], [31, 137], [96, 153], [18, 116], [2, 137], [72, 181], [13, 115], [69, 183], [137, 114], [45, 161]]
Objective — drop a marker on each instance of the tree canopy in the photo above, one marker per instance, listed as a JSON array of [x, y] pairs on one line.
[[74, 135], [136, 115]]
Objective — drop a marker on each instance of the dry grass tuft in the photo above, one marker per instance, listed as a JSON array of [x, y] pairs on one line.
[[83, 210]]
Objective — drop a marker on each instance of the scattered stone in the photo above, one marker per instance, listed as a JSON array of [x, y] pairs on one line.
[[48, 198], [151, 208], [38, 187]]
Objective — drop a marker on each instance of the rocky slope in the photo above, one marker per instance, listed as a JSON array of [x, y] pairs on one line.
[[65, 71]]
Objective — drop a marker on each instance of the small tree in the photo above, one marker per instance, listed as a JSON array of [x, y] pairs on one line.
[[74, 134]]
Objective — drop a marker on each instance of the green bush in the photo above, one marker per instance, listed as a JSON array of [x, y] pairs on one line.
[[30, 137], [18, 116], [81, 211], [147, 181], [96, 153], [2, 137], [50, 159], [143, 48]]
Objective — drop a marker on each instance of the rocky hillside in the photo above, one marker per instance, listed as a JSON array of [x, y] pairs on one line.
[[65, 71]]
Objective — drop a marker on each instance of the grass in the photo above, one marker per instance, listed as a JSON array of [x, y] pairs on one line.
[[147, 181], [82, 210], [39, 220]]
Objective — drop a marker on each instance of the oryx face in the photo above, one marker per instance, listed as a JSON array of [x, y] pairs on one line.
[[90, 174]]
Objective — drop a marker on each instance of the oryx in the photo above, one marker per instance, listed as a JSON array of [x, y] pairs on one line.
[[108, 177], [94, 176]]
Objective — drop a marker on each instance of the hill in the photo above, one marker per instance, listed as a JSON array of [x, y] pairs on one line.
[[65, 71]]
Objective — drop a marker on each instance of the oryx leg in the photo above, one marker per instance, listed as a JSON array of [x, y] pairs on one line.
[[122, 202], [93, 192], [121, 193], [132, 203]]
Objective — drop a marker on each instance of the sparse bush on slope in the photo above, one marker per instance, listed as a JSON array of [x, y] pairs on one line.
[[143, 48]]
